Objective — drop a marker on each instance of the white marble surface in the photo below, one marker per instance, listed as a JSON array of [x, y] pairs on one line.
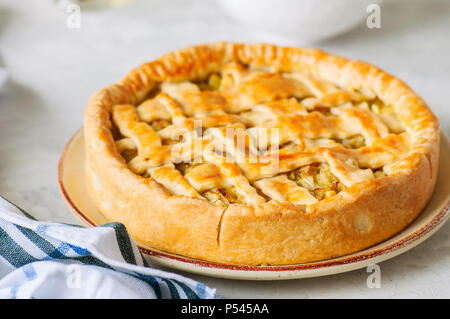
[[53, 71]]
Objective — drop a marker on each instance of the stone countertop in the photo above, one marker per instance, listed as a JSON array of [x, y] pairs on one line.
[[54, 69]]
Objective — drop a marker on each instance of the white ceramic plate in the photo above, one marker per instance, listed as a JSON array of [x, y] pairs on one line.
[[71, 181]]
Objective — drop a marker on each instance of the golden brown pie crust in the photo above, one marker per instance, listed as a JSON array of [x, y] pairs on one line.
[[274, 233]]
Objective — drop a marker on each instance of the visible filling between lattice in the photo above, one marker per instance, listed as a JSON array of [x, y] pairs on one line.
[[318, 138]]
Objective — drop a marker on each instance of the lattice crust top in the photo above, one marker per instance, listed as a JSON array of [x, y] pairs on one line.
[[329, 137]]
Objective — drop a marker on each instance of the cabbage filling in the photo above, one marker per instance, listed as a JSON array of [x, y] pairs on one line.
[[224, 196], [158, 125], [184, 168], [211, 83], [318, 179], [353, 142], [128, 155]]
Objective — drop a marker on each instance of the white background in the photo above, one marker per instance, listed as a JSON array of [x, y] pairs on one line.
[[54, 69]]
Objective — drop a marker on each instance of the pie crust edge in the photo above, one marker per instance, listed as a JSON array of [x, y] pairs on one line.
[[272, 233]]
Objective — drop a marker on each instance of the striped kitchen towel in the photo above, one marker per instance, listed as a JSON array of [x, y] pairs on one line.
[[53, 260]]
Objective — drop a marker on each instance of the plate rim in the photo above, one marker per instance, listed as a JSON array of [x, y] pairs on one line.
[[412, 239]]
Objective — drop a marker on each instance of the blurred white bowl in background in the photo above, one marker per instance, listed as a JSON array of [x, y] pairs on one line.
[[294, 21]]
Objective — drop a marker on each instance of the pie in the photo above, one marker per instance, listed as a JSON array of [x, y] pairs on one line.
[[260, 155]]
